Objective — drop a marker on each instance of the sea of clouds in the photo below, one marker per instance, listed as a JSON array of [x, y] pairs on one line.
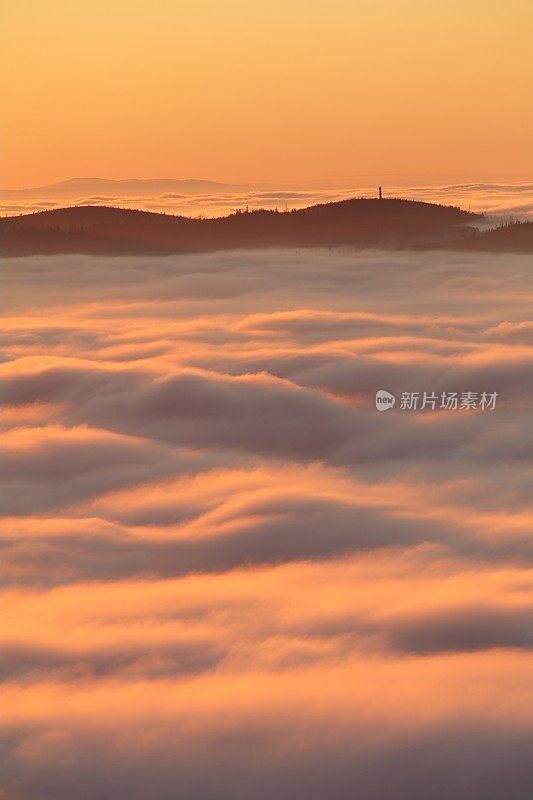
[[225, 575], [499, 201]]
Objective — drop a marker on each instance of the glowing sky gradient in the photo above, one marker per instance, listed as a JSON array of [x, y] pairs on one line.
[[299, 91]]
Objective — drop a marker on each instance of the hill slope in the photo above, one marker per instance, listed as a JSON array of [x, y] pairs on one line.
[[517, 237], [360, 223]]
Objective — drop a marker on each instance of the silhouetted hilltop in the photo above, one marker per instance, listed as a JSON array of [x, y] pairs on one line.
[[360, 223]]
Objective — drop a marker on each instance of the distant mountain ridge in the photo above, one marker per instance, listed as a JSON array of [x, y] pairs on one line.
[[130, 187]]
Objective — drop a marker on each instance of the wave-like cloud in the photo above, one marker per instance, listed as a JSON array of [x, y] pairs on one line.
[[225, 574]]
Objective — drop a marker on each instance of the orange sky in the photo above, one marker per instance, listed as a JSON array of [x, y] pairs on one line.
[[283, 91]]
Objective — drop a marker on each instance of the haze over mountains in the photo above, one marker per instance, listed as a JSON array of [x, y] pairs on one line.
[[75, 187], [209, 198], [360, 223]]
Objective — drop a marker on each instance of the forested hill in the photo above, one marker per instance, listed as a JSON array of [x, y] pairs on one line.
[[361, 223]]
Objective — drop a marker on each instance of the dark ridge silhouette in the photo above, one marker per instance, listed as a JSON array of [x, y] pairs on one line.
[[361, 223], [514, 237]]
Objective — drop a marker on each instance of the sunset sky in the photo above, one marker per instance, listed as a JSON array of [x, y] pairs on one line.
[[292, 91]]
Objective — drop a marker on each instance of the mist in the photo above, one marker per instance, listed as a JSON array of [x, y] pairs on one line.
[[227, 574]]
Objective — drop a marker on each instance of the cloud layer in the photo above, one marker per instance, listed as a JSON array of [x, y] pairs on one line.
[[226, 574], [498, 200]]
